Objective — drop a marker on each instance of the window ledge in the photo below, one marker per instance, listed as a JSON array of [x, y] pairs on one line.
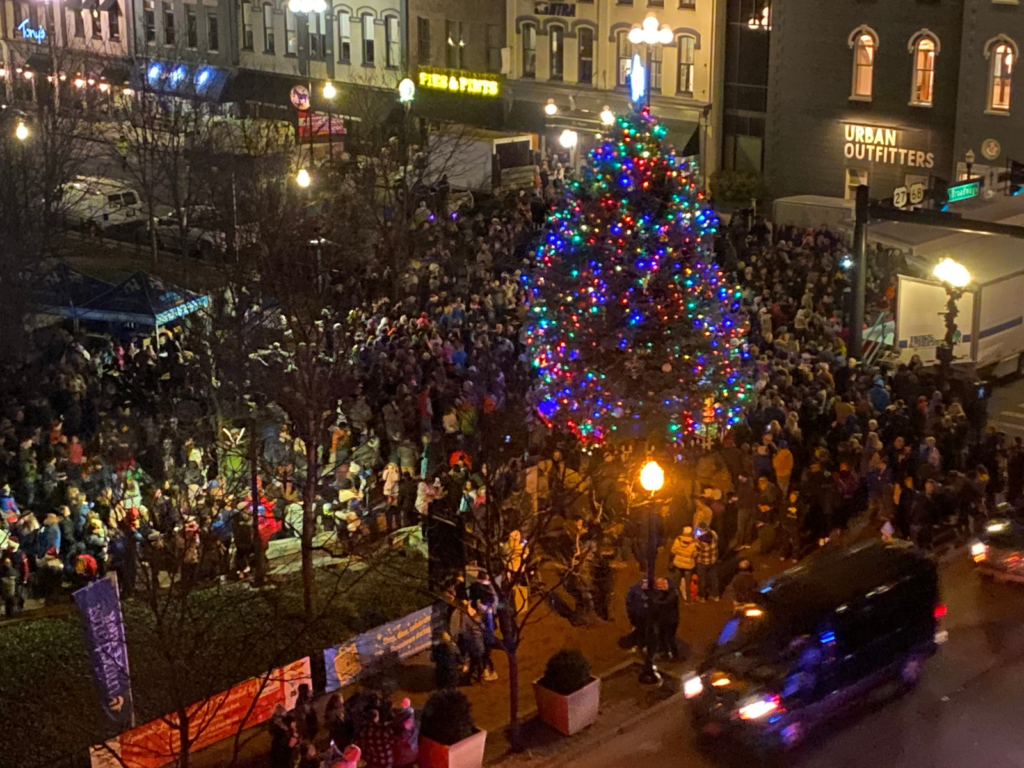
[[999, 112], [269, 53], [860, 98], [369, 65], [925, 104], [345, 61], [687, 94]]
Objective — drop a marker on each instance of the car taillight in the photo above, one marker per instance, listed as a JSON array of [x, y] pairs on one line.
[[940, 611]]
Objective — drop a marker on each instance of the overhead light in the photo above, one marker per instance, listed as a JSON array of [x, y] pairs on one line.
[[568, 138], [302, 178], [551, 109], [329, 90], [21, 132], [406, 91], [952, 273], [607, 116]]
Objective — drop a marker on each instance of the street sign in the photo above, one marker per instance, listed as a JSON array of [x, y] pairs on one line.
[[899, 197], [917, 193], [965, 190]]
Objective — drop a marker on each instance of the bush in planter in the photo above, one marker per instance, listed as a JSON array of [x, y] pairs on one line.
[[447, 718], [567, 671]]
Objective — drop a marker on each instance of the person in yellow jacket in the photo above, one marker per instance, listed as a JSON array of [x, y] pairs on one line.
[[684, 549], [782, 463]]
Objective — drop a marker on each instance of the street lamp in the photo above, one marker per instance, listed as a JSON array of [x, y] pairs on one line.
[[607, 116], [969, 162], [21, 132], [649, 34], [329, 93], [652, 478], [955, 278], [302, 178], [551, 109], [406, 91]]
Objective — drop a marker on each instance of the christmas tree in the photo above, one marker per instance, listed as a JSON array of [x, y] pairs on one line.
[[632, 326]]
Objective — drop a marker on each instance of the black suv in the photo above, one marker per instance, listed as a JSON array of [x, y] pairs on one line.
[[819, 637]]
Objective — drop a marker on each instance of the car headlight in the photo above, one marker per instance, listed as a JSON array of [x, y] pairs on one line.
[[758, 707], [979, 551], [692, 687]]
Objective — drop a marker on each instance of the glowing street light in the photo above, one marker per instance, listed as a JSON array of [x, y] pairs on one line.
[[406, 91], [649, 33], [652, 476], [330, 91], [952, 273], [607, 116], [307, 6], [551, 109], [302, 178], [21, 132], [568, 138]]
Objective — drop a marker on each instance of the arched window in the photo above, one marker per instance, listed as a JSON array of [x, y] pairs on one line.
[[291, 35], [924, 72], [685, 46], [863, 66], [585, 46], [344, 36], [624, 49], [557, 37], [529, 50], [1002, 73]]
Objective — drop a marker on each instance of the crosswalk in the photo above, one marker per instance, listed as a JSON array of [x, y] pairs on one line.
[[1008, 419]]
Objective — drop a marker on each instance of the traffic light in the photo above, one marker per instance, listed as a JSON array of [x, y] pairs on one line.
[[939, 193], [1015, 182]]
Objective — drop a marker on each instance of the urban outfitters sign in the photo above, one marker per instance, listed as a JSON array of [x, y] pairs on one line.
[[882, 145]]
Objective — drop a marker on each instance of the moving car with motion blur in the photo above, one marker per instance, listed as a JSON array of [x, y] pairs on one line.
[[999, 550], [819, 638]]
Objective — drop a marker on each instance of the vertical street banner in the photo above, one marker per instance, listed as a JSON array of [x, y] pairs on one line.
[[99, 613]]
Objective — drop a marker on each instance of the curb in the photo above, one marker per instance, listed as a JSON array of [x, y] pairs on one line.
[[601, 738]]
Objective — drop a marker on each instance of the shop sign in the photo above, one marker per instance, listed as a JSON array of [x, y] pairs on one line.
[[321, 124], [883, 145], [544, 8], [457, 81], [299, 97], [28, 33]]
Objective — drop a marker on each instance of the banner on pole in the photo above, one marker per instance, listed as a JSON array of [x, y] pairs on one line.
[[99, 612]]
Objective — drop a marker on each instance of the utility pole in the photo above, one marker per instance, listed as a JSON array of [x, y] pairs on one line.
[[855, 344]]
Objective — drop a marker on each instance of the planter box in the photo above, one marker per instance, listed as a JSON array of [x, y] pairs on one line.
[[468, 753], [569, 714]]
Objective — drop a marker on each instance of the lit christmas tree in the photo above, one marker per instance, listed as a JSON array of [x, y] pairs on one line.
[[632, 326]]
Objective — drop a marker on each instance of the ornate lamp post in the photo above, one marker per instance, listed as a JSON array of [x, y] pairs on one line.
[[649, 35], [652, 478], [955, 278]]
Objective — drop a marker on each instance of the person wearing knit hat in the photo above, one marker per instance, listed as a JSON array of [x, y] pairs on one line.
[[406, 750]]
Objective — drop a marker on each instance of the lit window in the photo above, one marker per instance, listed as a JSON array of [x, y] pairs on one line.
[[863, 66], [529, 50], [557, 37], [1002, 74], [686, 45], [924, 71], [291, 34], [625, 56]]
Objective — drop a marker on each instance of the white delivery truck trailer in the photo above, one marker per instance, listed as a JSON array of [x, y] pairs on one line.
[[479, 160], [812, 211], [991, 311]]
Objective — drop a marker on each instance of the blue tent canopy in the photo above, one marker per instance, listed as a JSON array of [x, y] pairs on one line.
[[141, 299]]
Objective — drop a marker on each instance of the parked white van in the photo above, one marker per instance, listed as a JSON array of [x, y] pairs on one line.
[[97, 203]]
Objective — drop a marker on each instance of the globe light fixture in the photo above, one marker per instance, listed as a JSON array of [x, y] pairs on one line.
[[551, 109], [406, 91], [21, 132], [649, 33], [330, 91], [607, 116], [302, 178], [952, 273], [307, 6], [568, 138], [652, 477]]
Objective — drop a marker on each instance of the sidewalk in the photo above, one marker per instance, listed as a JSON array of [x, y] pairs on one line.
[[622, 696]]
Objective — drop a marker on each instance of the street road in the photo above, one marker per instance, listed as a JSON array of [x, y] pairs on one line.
[[967, 711], [1006, 409]]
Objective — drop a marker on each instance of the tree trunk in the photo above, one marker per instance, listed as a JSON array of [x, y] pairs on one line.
[[513, 699], [184, 744], [309, 523], [259, 556]]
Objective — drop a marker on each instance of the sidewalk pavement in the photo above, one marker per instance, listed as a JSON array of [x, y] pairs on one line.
[[622, 697]]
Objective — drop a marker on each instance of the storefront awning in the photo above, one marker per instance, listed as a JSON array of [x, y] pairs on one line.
[[176, 78]]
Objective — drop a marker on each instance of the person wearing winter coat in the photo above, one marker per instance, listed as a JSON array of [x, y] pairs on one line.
[[377, 740], [782, 463], [49, 535], [684, 548], [665, 605], [445, 655], [794, 512], [406, 749]]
